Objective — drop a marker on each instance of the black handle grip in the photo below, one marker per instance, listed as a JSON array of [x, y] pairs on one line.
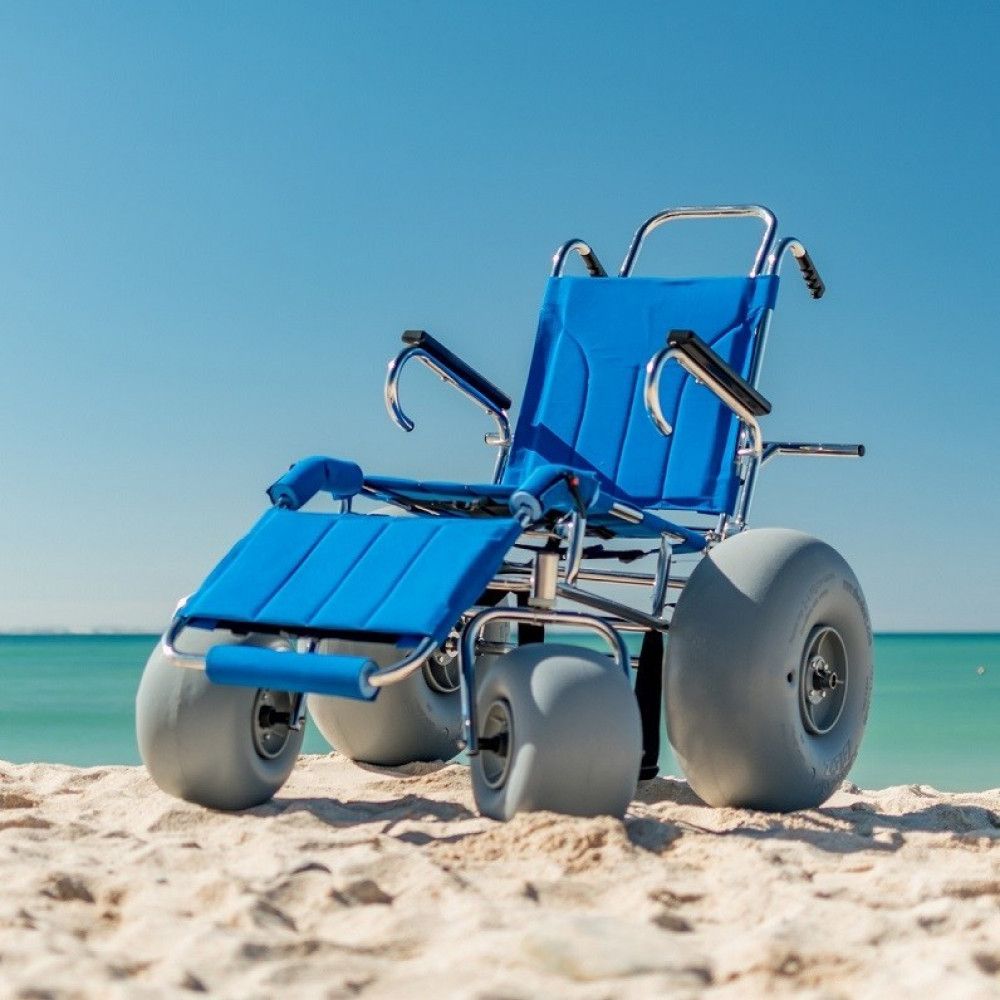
[[453, 363], [690, 344], [594, 267], [813, 281]]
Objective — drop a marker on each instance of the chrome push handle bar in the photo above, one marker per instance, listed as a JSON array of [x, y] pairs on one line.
[[451, 369], [764, 250], [710, 212]]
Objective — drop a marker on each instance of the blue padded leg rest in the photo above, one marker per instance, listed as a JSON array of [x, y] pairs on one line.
[[312, 673], [312, 573]]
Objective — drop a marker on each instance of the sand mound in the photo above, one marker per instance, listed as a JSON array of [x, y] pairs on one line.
[[366, 881]]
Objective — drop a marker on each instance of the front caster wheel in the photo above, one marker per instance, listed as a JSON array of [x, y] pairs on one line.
[[768, 672], [559, 729], [217, 746]]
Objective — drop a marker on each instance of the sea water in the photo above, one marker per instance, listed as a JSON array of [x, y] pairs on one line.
[[935, 716]]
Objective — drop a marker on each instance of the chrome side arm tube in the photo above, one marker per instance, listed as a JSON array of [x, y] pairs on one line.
[[501, 439], [802, 448]]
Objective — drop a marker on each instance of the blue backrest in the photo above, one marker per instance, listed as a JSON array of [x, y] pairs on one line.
[[583, 404]]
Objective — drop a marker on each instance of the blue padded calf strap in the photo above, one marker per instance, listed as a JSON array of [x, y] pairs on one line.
[[313, 673], [309, 476]]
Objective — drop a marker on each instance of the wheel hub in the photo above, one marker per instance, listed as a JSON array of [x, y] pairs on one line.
[[823, 680], [271, 722], [441, 673], [496, 743]]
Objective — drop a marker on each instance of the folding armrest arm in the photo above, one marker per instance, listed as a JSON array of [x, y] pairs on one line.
[[693, 347], [455, 366], [698, 359], [452, 369]]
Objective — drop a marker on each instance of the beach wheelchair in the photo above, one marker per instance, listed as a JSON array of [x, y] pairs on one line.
[[437, 622]]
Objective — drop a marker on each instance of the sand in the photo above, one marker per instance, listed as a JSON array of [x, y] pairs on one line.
[[385, 883]]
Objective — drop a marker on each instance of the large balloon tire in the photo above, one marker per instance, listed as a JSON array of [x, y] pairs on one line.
[[203, 742], [768, 672], [573, 734], [408, 721]]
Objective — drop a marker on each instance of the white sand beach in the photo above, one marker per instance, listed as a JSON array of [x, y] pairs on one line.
[[376, 883]]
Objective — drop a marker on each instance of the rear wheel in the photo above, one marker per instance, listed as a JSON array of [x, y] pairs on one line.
[[768, 672]]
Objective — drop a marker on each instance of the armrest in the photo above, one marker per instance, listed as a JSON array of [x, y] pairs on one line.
[[307, 477], [456, 366], [692, 346], [699, 360], [434, 355]]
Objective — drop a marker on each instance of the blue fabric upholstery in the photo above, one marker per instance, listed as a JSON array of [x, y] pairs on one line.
[[314, 673], [309, 476], [401, 576], [583, 406]]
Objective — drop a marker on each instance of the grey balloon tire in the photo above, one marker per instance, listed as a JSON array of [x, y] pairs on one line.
[[733, 671], [196, 737], [576, 739]]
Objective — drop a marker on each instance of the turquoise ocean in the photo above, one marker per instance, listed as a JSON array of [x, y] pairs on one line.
[[935, 715]]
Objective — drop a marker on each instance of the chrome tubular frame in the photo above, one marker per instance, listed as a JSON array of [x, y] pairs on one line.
[[472, 631], [516, 577], [706, 212], [576, 533], [801, 448], [751, 460], [662, 579], [193, 661], [501, 439], [611, 607]]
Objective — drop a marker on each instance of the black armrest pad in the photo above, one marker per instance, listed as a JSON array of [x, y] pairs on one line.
[[690, 344], [437, 350]]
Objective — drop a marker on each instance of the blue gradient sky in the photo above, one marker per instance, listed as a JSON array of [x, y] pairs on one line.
[[215, 219]]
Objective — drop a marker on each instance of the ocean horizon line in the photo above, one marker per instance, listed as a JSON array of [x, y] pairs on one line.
[[101, 631]]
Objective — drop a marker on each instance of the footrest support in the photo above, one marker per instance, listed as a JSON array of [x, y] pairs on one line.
[[316, 673]]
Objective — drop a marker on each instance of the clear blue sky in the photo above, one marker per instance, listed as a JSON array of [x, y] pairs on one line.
[[215, 219]]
